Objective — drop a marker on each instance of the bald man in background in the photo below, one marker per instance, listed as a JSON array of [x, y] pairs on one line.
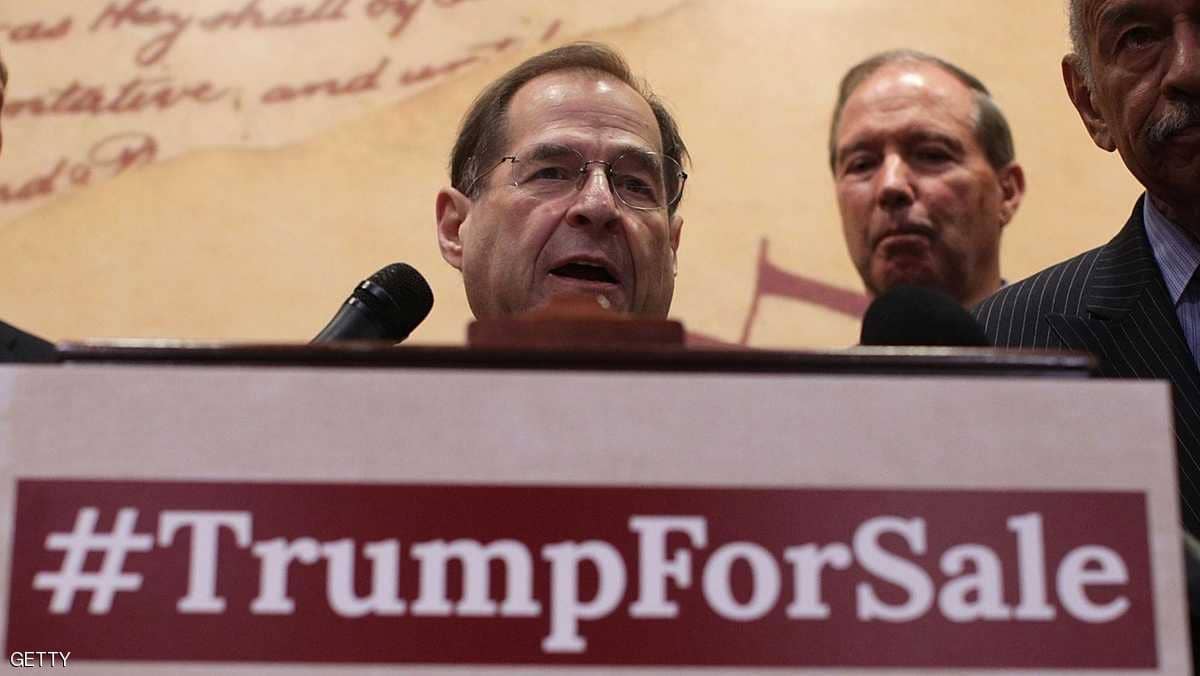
[[926, 175], [16, 345]]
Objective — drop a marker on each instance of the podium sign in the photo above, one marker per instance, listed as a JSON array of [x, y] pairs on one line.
[[506, 521]]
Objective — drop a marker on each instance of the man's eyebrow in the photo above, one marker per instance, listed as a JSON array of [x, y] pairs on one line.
[[648, 158], [1120, 14], [543, 150], [935, 137], [908, 139], [856, 146]]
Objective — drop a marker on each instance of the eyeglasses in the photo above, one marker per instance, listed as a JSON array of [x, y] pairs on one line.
[[640, 179]]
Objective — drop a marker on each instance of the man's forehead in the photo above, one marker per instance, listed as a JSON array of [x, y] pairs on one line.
[[914, 79], [561, 86], [901, 88], [580, 99], [1098, 13]]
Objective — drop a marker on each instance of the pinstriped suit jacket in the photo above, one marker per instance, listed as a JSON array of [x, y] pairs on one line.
[[1111, 302]]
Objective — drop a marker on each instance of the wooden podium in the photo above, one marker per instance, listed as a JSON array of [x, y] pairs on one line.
[[446, 510]]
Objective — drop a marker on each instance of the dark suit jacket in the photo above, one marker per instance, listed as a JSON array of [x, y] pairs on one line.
[[16, 345], [1112, 302]]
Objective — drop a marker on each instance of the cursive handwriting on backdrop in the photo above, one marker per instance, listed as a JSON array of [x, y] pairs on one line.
[[138, 81]]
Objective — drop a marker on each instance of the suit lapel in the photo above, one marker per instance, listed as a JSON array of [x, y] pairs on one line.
[[1131, 323], [1131, 326]]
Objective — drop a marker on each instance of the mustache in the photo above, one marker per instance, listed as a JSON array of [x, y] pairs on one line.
[[1178, 116]]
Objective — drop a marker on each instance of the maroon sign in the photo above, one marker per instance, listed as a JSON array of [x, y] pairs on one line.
[[581, 575]]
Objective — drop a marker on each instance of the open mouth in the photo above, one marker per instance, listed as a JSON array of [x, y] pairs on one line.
[[586, 272]]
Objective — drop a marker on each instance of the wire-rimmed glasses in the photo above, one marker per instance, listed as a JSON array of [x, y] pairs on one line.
[[640, 179]]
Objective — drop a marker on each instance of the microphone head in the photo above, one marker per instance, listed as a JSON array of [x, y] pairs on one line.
[[916, 316], [398, 297]]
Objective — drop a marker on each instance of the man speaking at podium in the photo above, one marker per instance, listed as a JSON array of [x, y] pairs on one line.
[[565, 179], [16, 345], [1134, 78]]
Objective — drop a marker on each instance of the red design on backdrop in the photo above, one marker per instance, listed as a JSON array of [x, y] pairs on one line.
[[41, 30], [772, 280], [109, 157]]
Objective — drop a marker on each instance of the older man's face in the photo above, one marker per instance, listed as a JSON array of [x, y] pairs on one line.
[[1144, 100], [518, 251], [920, 203]]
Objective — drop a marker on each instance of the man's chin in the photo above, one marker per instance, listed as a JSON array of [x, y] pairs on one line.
[[608, 296], [913, 275], [570, 302]]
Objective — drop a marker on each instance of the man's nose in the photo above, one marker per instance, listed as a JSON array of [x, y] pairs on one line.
[[895, 183], [1182, 80], [595, 204]]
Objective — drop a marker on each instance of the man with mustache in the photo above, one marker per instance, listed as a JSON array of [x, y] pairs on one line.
[[16, 345], [926, 176], [1134, 77], [565, 179]]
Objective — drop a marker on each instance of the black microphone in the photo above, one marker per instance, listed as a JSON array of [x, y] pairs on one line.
[[914, 316], [387, 306]]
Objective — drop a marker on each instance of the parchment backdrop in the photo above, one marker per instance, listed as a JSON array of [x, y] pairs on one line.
[[229, 169]]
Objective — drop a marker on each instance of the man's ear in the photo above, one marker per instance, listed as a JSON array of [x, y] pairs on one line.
[[676, 231], [452, 209], [1081, 95], [1012, 191]]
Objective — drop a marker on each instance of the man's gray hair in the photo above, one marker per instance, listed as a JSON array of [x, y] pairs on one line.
[[482, 133], [1079, 38]]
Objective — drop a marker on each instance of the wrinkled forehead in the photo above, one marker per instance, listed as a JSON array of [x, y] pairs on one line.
[[915, 91], [583, 106], [914, 83], [1097, 13]]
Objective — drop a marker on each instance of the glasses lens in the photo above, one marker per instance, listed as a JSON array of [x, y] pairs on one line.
[[647, 180], [642, 180], [548, 171], [638, 180]]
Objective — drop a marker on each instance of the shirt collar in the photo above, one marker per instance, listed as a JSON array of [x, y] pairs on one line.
[[1177, 254]]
